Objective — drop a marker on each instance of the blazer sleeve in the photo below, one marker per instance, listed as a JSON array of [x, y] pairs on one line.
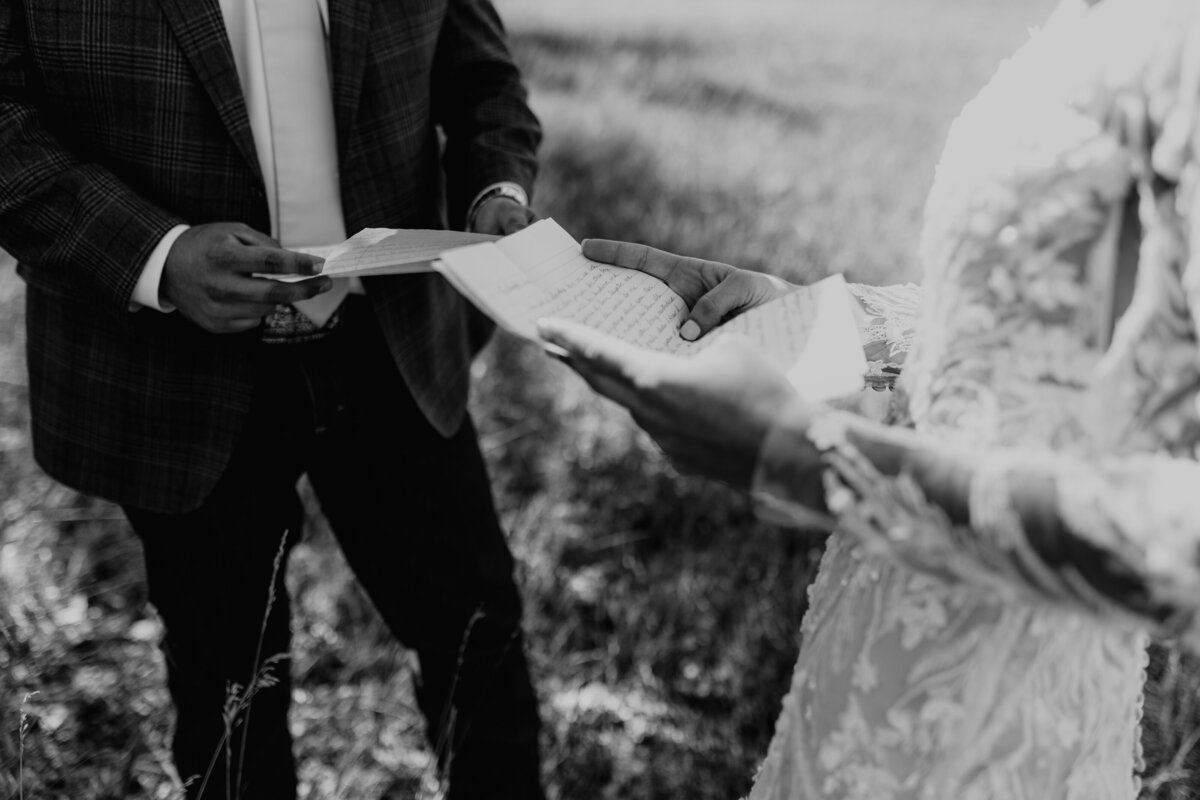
[[481, 104], [59, 212]]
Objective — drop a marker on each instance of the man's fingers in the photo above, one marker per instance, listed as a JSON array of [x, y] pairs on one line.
[[263, 291], [267, 260], [263, 255], [246, 235], [285, 293], [517, 219], [248, 311], [242, 324]]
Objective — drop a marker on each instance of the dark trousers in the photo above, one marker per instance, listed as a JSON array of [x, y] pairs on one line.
[[413, 514]]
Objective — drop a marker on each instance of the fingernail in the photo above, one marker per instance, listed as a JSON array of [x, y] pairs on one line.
[[325, 287], [556, 352], [690, 330]]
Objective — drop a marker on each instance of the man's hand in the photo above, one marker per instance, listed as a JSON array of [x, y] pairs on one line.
[[207, 276], [714, 292], [708, 413], [501, 216]]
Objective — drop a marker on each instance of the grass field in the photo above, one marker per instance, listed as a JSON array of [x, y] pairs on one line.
[[796, 136]]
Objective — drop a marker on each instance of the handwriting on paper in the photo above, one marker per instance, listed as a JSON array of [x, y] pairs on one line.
[[541, 272]]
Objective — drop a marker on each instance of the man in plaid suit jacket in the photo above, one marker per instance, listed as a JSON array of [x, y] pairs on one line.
[[122, 119]]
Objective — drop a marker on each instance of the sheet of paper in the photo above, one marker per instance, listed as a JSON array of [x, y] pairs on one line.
[[321, 251], [541, 272], [385, 251], [812, 334]]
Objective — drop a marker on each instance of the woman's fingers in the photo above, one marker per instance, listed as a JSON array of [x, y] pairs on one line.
[[740, 291], [708, 413], [689, 277], [592, 352], [712, 290], [729, 296], [625, 254], [589, 346], [620, 371]]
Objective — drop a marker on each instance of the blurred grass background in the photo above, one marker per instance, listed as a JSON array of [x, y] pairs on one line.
[[795, 136]]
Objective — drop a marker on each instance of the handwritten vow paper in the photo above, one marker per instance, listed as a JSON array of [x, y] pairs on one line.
[[385, 251], [541, 272]]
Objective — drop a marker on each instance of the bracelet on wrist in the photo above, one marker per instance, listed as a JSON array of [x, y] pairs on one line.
[[510, 190]]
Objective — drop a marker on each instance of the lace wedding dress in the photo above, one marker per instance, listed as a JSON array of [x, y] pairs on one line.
[[937, 666]]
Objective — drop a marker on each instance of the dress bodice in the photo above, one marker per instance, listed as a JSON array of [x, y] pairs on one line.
[[1020, 243]]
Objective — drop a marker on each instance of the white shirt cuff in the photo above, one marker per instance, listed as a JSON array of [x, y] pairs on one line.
[[145, 293]]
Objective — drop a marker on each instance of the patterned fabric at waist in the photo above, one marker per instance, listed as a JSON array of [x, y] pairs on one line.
[[287, 325]]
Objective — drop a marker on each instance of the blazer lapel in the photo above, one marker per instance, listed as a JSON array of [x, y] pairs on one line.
[[349, 26], [200, 29]]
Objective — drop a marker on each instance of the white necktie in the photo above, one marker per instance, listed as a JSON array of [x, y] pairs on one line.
[[300, 104]]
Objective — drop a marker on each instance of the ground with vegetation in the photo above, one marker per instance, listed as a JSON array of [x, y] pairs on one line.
[[795, 136]]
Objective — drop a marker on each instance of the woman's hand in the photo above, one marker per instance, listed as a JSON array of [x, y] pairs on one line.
[[713, 291], [709, 413]]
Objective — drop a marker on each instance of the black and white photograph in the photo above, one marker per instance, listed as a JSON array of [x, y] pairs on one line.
[[627, 400]]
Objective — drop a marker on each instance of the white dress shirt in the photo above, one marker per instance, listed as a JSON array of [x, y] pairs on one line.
[[241, 26]]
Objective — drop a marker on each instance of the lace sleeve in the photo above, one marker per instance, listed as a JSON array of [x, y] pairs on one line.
[[1129, 547], [886, 317], [1143, 514]]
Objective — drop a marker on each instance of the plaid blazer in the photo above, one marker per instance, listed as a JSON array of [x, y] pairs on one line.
[[122, 118]]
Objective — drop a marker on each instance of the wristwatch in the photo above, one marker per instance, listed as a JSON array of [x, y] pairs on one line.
[[512, 191]]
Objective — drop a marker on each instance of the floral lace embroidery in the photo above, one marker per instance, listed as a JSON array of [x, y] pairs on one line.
[[927, 671], [886, 323]]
